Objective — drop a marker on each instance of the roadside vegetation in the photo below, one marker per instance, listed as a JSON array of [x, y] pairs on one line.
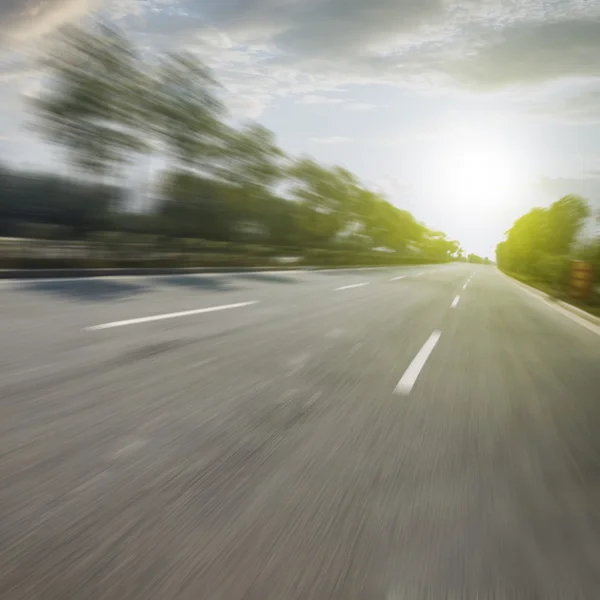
[[226, 193], [540, 247]]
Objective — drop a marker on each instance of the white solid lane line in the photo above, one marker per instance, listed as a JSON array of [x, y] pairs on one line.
[[398, 278], [349, 287], [455, 302], [554, 306], [409, 378], [186, 313]]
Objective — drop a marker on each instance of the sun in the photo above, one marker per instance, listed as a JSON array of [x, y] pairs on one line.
[[474, 170]]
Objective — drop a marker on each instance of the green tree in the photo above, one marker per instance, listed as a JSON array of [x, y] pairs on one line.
[[539, 244], [565, 219], [91, 105], [252, 159], [388, 226], [252, 164], [438, 247], [326, 199], [196, 207], [185, 112], [106, 106]]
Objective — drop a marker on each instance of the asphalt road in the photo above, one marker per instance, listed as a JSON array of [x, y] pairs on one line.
[[315, 435]]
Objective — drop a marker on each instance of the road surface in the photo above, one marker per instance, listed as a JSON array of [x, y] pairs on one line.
[[409, 433]]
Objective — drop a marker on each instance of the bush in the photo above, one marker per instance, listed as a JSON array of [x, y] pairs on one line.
[[554, 270]]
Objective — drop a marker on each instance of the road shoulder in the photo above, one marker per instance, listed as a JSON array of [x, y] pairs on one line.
[[582, 317]]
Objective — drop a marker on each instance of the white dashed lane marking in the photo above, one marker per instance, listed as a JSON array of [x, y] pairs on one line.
[[349, 287], [411, 374], [162, 317]]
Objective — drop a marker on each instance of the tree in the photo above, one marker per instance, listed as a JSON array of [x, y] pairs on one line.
[[326, 199], [437, 246], [251, 163], [252, 160], [91, 107], [565, 219], [186, 112], [528, 239], [107, 106], [388, 226], [31, 200], [540, 242], [196, 207]]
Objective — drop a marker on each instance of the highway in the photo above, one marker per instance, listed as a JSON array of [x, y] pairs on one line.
[[391, 434]]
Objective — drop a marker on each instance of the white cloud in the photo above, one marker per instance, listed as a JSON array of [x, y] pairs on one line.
[[391, 186], [360, 106], [317, 99], [247, 106], [557, 187], [335, 139], [532, 53], [6, 76], [580, 105], [20, 19], [288, 47]]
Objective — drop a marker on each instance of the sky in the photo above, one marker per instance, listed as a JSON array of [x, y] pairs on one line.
[[466, 112]]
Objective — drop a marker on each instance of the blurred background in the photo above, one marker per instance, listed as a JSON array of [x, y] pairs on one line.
[[157, 173], [223, 196]]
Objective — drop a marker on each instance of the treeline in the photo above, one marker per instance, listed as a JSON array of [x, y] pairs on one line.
[[542, 243], [44, 205], [478, 260], [110, 106]]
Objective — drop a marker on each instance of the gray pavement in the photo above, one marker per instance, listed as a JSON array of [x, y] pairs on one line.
[[265, 451]]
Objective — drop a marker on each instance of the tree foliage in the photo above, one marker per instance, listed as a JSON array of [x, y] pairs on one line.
[[75, 207], [91, 106], [540, 242], [184, 111], [106, 104]]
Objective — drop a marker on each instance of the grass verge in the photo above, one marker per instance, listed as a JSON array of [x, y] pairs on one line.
[[559, 293]]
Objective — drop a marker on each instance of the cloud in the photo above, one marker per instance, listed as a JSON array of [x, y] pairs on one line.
[[474, 46], [335, 28], [248, 106], [582, 105], [391, 186], [554, 188], [307, 47], [14, 74], [490, 43], [360, 106], [20, 19], [335, 139], [532, 53], [317, 99]]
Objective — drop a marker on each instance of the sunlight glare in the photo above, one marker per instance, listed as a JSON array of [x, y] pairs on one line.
[[476, 171]]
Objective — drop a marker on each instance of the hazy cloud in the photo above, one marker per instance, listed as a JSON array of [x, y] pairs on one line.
[[285, 47], [580, 106], [360, 106], [483, 44], [316, 99], [335, 139], [533, 53], [23, 18], [557, 187]]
